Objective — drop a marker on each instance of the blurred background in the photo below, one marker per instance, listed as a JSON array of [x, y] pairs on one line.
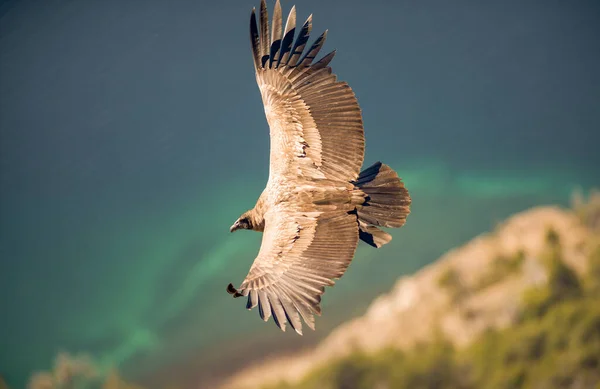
[[132, 135]]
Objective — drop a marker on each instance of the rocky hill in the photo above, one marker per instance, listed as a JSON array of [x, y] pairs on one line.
[[469, 290]]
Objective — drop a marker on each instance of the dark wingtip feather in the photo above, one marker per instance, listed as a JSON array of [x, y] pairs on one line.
[[252, 299], [254, 39], [276, 32], [314, 50], [264, 30], [233, 291], [280, 48], [288, 38], [323, 62], [279, 322], [300, 43], [264, 307], [294, 322]]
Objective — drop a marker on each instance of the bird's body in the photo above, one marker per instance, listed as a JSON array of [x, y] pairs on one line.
[[317, 203]]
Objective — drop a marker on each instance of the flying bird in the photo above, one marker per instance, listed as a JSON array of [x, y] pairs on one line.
[[317, 203]]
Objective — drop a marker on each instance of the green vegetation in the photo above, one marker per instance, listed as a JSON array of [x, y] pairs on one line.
[[563, 284], [502, 267], [592, 282], [451, 281], [588, 210], [554, 344], [113, 381]]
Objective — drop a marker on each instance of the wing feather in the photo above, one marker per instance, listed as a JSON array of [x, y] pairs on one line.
[[277, 310], [288, 38], [264, 306], [252, 299], [323, 62], [275, 34], [254, 40], [315, 121], [264, 32], [300, 42], [300, 255], [312, 53]]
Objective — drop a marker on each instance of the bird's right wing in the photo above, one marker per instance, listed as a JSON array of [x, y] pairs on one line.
[[302, 251], [315, 122]]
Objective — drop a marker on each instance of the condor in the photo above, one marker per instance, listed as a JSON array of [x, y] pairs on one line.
[[317, 203]]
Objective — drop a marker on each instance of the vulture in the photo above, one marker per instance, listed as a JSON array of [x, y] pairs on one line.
[[317, 203]]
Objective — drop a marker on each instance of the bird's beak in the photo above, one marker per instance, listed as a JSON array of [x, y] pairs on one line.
[[235, 226]]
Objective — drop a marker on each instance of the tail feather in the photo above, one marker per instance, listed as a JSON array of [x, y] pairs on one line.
[[387, 203], [373, 235]]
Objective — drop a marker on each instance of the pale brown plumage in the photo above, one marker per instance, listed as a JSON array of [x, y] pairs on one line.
[[317, 203]]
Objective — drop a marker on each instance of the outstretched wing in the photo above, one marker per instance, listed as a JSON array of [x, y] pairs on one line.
[[315, 122], [302, 251]]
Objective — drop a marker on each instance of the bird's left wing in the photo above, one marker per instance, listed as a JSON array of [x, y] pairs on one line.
[[315, 122], [302, 251]]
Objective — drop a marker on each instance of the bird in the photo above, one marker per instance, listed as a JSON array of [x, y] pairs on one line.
[[317, 203]]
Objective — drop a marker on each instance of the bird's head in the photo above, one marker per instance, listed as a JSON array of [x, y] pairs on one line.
[[244, 222]]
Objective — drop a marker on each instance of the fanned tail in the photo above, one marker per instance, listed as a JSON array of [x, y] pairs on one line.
[[387, 203]]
